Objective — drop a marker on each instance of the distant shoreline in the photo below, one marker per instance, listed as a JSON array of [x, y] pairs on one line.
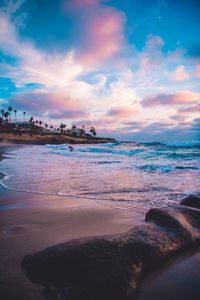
[[52, 139]]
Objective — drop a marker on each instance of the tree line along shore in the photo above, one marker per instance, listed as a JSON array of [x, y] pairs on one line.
[[26, 138], [33, 131]]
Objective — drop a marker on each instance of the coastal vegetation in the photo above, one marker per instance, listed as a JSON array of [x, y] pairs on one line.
[[37, 131]]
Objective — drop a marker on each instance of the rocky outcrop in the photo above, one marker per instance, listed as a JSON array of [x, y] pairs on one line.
[[52, 139], [112, 267], [192, 201]]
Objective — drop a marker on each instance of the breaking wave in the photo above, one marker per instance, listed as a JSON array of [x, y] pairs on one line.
[[131, 176]]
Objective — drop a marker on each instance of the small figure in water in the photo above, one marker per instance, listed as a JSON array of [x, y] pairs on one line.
[[71, 148]]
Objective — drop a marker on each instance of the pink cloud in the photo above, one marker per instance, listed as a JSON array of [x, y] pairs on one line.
[[104, 35], [58, 105], [101, 30], [154, 42], [180, 74], [197, 71], [190, 109], [121, 112], [176, 55], [69, 114], [151, 57], [178, 118], [101, 123], [178, 98]]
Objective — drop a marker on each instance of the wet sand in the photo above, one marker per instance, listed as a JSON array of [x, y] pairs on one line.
[[43, 222], [31, 222], [178, 280]]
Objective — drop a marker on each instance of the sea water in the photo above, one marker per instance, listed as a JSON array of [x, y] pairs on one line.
[[127, 176]]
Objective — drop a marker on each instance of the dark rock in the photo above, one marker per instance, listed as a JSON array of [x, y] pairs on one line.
[[101, 263], [112, 267], [192, 201]]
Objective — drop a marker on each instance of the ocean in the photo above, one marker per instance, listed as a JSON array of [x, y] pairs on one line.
[[125, 176]]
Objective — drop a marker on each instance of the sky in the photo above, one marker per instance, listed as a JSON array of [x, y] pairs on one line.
[[130, 68]]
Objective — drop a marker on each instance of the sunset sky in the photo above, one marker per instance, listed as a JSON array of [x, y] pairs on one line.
[[131, 68]]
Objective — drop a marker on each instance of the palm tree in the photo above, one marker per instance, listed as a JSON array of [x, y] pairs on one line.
[[62, 126], [36, 121], [40, 122], [51, 127], [2, 112], [93, 131], [46, 126], [15, 111], [6, 114], [24, 115], [9, 110], [31, 120], [82, 131]]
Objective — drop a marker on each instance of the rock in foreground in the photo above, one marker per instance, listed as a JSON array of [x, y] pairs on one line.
[[112, 267], [192, 201]]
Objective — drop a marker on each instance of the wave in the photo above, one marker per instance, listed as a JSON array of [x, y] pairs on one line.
[[147, 189], [164, 168], [190, 144], [111, 149], [150, 157], [156, 168], [184, 156], [106, 172], [123, 148], [108, 162], [174, 144], [7, 177]]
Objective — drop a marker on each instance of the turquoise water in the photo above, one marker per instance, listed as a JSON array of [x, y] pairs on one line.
[[127, 176]]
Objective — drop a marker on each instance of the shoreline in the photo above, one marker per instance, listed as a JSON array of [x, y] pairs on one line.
[[52, 139], [30, 222], [4, 147]]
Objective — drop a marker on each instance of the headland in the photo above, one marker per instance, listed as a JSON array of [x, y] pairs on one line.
[[42, 139]]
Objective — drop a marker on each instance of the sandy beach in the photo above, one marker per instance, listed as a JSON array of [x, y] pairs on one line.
[[178, 280], [31, 222], [29, 228]]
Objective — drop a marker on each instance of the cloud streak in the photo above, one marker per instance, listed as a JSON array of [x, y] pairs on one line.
[[54, 105], [178, 98], [121, 112], [190, 109], [52, 71]]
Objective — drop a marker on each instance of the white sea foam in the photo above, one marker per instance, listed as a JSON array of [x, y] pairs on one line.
[[127, 176]]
